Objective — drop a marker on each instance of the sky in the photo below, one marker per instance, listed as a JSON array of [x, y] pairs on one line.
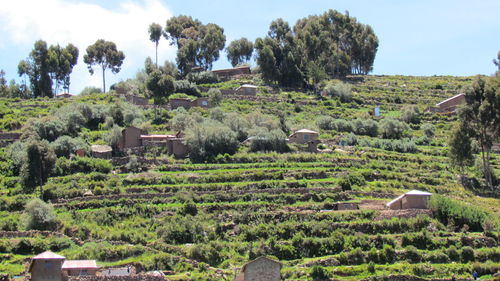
[[424, 38]]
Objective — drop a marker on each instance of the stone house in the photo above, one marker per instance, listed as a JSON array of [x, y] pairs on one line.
[[180, 102], [46, 266], [131, 137], [303, 136], [260, 269], [101, 151], [414, 199], [247, 90], [449, 105], [232, 72], [80, 268]]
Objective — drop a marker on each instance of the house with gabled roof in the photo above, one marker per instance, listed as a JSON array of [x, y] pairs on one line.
[[414, 199], [260, 269]]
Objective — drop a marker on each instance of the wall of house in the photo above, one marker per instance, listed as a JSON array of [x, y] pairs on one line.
[[415, 202], [262, 270], [47, 270], [131, 138], [301, 137]]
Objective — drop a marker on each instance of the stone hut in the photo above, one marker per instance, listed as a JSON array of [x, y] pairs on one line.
[[101, 151], [131, 137], [180, 102], [414, 199], [247, 90], [47, 266], [232, 72], [303, 136], [260, 269], [201, 102], [80, 268]]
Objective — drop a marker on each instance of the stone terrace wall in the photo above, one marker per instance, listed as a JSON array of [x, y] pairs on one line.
[[117, 278]]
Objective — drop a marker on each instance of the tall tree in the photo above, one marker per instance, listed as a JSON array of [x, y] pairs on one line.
[[37, 68], [239, 51], [62, 61], [38, 164], [160, 86], [105, 54], [497, 61], [460, 153], [481, 116], [197, 44], [155, 33]]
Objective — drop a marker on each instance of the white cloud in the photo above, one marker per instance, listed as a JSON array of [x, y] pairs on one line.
[[63, 22]]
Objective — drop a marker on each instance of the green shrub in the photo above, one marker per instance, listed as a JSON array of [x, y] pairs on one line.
[[447, 210], [392, 128], [209, 139], [40, 215], [318, 273]]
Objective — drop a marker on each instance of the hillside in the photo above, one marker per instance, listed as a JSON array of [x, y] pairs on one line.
[[204, 220]]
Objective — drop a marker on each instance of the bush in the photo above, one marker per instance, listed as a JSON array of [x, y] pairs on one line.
[[210, 138], [186, 87], [325, 122], [64, 146], [204, 77], [428, 130], [467, 254], [274, 140], [318, 273], [340, 90], [447, 210], [392, 128], [40, 215], [411, 114]]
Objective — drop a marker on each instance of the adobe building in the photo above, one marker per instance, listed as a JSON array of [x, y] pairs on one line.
[[449, 105], [101, 151], [232, 72], [80, 268], [303, 136], [131, 137], [414, 199], [247, 90], [260, 269], [180, 102], [46, 266]]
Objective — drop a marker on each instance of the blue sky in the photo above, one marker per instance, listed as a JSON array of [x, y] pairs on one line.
[[416, 37]]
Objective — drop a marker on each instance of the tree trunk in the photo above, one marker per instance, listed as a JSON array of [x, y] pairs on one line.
[[157, 54], [103, 79]]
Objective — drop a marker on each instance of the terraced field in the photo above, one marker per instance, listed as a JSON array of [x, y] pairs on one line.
[[204, 221]]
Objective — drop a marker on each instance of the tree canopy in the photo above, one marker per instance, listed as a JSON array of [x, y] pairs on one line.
[[239, 51], [105, 54], [332, 43], [197, 44]]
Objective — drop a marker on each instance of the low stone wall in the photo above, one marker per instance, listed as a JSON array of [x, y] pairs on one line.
[[118, 278]]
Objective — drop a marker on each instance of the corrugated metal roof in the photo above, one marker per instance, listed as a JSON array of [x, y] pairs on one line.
[[306, 131], [75, 264], [418, 192], [449, 99], [48, 255]]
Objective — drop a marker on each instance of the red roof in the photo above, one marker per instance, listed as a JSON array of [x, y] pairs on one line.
[[77, 264]]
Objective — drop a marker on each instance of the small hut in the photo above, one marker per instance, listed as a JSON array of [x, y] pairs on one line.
[[414, 199]]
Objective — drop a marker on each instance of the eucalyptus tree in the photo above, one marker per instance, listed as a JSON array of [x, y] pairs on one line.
[[106, 55]]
